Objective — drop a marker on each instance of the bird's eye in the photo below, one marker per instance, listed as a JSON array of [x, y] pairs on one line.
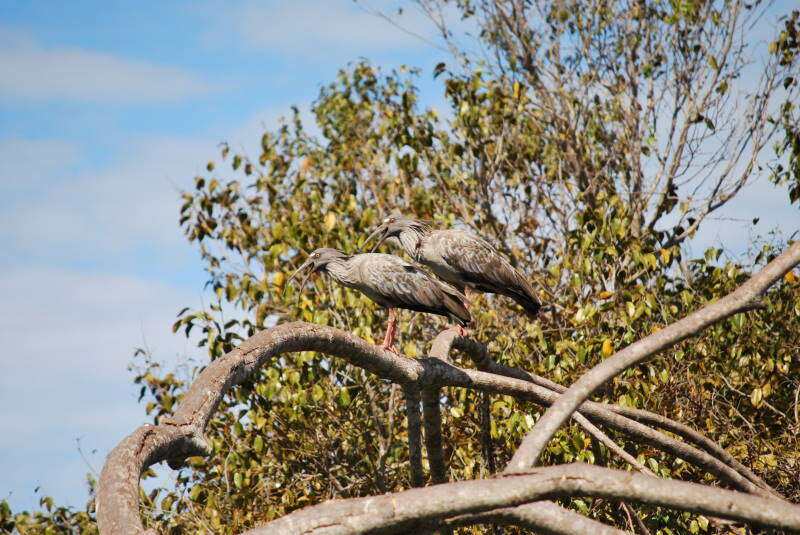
[[316, 255], [392, 220]]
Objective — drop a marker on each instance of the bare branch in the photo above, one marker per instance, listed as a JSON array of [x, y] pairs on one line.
[[745, 298], [546, 518], [432, 419], [419, 508], [543, 391], [414, 436]]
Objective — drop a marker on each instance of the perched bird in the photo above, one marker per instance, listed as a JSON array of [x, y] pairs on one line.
[[460, 258], [391, 282]]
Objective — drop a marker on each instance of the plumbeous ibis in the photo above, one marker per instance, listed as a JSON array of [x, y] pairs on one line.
[[460, 258], [391, 282]]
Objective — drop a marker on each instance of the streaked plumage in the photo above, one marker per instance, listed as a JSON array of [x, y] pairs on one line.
[[460, 258], [391, 282]]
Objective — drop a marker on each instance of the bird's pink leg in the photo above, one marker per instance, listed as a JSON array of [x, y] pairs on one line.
[[388, 340]]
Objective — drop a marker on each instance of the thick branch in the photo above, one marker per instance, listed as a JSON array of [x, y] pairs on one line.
[[182, 436], [744, 298], [545, 392], [687, 433], [406, 511], [451, 376]]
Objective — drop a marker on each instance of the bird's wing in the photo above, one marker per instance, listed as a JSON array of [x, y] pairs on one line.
[[478, 262], [403, 283]]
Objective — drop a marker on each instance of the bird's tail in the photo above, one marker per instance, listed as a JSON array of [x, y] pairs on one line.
[[527, 302], [454, 302]]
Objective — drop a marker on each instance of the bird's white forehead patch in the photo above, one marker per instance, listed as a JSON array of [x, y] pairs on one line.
[[386, 220]]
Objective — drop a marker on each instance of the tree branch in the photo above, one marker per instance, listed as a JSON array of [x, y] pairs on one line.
[[546, 518], [745, 298], [406, 511], [414, 436], [545, 392]]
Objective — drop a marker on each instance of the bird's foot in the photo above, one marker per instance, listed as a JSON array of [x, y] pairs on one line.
[[462, 332], [390, 347]]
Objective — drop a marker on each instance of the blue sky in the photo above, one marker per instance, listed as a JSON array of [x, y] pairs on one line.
[[107, 110]]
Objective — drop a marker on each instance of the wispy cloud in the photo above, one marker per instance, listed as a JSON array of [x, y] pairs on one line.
[[97, 214], [32, 72], [321, 29], [58, 209], [67, 340], [24, 163]]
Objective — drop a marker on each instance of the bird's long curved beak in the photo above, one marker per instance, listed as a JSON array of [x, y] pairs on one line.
[[381, 230], [305, 264]]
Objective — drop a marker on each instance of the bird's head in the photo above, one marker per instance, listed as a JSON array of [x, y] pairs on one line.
[[391, 227], [318, 260]]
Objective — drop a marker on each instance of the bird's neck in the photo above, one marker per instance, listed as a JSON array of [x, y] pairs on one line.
[[339, 270], [411, 240]]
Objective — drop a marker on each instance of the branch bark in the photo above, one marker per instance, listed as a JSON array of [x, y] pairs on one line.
[[523, 385], [414, 436], [182, 435], [432, 420], [406, 511], [546, 518]]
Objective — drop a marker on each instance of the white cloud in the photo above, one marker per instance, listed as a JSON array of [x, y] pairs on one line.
[[112, 213], [32, 72], [322, 28], [24, 163], [67, 339], [131, 203]]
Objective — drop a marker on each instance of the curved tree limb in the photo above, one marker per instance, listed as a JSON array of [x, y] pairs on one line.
[[596, 412], [745, 298], [689, 434], [487, 382], [479, 353], [406, 511], [182, 435]]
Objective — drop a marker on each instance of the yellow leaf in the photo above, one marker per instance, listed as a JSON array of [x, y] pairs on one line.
[[279, 279], [604, 295], [756, 397], [665, 256], [790, 277], [330, 221], [656, 328], [607, 348]]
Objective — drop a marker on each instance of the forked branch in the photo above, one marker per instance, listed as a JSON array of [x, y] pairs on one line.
[[745, 298]]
